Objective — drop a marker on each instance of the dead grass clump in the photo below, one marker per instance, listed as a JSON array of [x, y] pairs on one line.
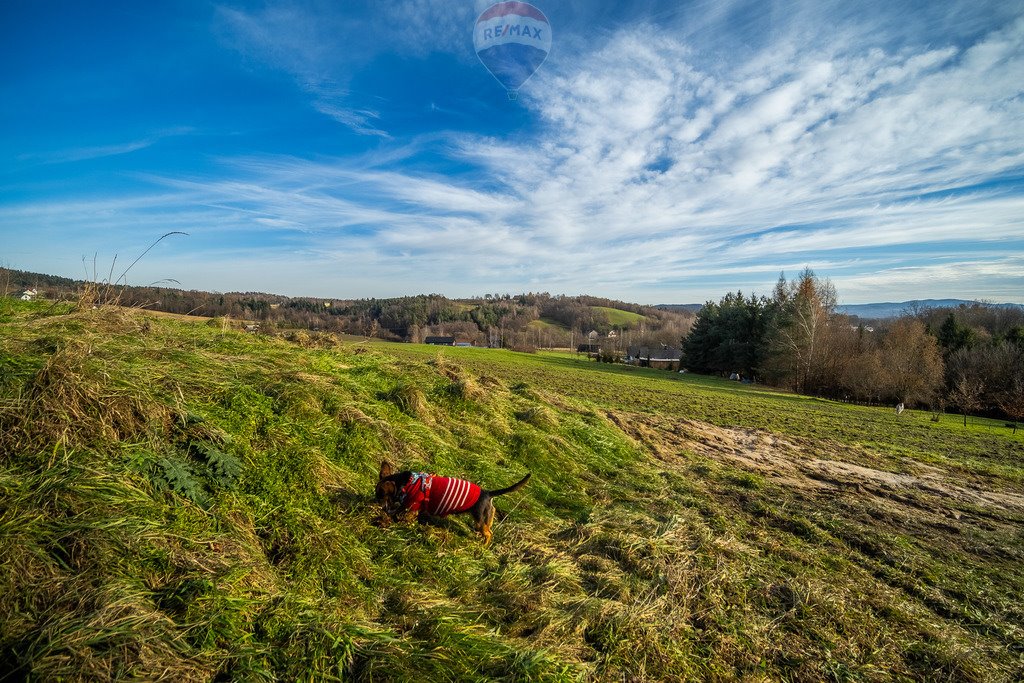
[[194, 428], [299, 337], [462, 385], [298, 397], [314, 340], [111, 632], [351, 415], [324, 340], [466, 389], [523, 389], [490, 382], [117, 319], [328, 476], [112, 320], [242, 547], [88, 296], [70, 403], [410, 399], [442, 364], [538, 416]]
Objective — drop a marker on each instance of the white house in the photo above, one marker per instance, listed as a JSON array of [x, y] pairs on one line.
[[28, 295]]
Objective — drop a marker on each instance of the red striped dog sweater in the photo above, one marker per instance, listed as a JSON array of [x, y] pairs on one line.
[[439, 496]]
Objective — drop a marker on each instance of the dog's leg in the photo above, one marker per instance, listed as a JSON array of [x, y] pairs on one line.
[[485, 523]]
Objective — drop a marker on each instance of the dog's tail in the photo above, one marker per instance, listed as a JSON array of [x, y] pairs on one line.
[[510, 489]]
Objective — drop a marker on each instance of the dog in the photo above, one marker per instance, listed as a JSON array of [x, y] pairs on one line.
[[405, 492]]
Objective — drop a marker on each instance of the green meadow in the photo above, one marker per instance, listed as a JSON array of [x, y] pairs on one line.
[[182, 501], [620, 318], [547, 324]]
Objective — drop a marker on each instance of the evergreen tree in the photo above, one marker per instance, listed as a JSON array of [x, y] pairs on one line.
[[954, 336]]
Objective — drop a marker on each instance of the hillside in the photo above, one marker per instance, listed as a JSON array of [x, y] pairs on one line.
[[180, 501], [619, 318], [522, 321]]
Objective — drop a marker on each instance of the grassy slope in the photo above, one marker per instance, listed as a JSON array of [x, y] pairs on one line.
[[184, 503], [546, 323], [620, 318]]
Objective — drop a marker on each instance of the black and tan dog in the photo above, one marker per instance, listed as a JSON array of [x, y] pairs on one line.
[[402, 493]]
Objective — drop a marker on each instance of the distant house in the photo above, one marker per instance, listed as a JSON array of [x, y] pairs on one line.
[[464, 343], [440, 341], [28, 295], [660, 358]]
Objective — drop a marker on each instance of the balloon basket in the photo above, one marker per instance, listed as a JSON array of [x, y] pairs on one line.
[[513, 95]]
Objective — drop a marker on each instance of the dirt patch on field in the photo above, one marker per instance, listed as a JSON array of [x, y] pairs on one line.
[[174, 316], [810, 466]]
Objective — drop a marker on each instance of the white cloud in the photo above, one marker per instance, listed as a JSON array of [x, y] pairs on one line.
[[293, 39], [998, 279], [100, 151], [659, 162]]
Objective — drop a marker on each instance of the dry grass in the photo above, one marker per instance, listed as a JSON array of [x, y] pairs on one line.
[[410, 399], [180, 502]]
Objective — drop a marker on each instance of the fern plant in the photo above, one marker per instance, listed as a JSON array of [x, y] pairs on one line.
[[225, 468], [176, 475]]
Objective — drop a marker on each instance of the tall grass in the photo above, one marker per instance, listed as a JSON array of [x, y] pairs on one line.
[[96, 292], [179, 502]]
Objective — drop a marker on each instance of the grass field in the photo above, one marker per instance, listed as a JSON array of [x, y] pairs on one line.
[[619, 318], [548, 324], [179, 501]]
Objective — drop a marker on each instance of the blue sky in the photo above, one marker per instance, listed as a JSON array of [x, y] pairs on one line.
[[664, 152]]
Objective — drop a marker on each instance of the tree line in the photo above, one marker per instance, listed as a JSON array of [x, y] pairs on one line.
[[969, 357], [522, 321]]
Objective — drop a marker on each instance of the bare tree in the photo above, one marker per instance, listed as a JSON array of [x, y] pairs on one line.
[[912, 363], [1012, 399], [806, 313], [966, 394]]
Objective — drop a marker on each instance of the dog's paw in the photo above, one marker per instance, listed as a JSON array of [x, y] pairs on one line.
[[408, 516]]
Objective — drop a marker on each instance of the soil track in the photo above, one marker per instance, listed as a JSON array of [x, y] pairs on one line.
[[188, 318], [813, 466]]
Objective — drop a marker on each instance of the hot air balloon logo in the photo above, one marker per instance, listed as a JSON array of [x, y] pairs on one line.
[[512, 39]]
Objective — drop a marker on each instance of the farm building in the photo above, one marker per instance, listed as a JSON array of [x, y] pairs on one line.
[[661, 358], [440, 341]]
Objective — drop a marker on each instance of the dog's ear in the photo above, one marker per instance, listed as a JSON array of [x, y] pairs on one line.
[[386, 469]]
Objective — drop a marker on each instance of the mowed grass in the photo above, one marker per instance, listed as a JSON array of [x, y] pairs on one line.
[[184, 502]]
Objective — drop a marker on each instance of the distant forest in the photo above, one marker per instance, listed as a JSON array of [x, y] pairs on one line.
[[522, 322], [969, 358]]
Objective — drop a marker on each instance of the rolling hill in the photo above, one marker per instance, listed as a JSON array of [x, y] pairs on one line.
[[182, 501], [514, 320], [617, 317]]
